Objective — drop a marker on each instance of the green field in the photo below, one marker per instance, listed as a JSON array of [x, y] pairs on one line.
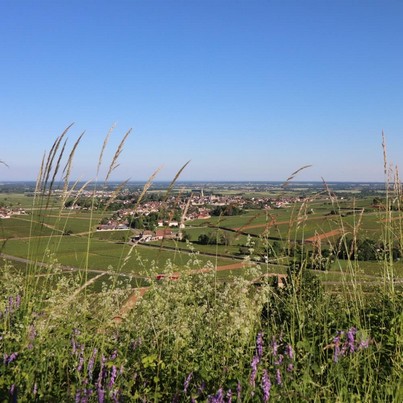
[[102, 255], [22, 227], [40, 232]]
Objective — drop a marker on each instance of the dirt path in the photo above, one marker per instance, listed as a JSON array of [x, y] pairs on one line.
[[320, 237], [129, 304]]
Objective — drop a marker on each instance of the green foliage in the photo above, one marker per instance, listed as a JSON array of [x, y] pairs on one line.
[[215, 238], [228, 210]]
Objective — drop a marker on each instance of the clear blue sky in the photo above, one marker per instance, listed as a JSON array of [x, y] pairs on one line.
[[246, 90]]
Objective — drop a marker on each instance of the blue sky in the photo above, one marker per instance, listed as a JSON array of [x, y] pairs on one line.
[[246, 90]]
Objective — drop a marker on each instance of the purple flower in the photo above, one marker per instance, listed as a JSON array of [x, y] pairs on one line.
[[202, 387], [350, 339], [239, 390], [290, 368], [279, 360], [113, 377], [266, 386], [101, 394], [336, 354], [278, 377], [115, 395], [364, 344], [289, 351], [10, 358], [259, 344], [186, 384], [80, 363], [218, 397], [102, 373], [229, 396], [253, 364], [274, 346], [91, 362], [17, 301], [35, 391], [114, 355], [12, 389]]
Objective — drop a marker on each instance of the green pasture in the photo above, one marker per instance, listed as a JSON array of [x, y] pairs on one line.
[[251, 217], [228, 250], [102, 255], [16, 200], [373, 268], [21, 227], [69, 221], [116, 236]]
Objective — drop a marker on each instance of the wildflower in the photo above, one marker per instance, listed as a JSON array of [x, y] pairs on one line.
[[253, 364], [336, 354], [73, 346], [35, 391], [113, 377], [278, 377], [266, 386], [31, 336], [187, 381], [114, 355], [101, 376], [81, 362], [290, 367], [101, 394], [289, 351], [115, 395], [12, 389], [363, 344], [218, 398], [259, 344], [279, 360], [91, 363], [350, 339], [274, 346], [202, 387], [17, 301], [10, 358], [229, 396]]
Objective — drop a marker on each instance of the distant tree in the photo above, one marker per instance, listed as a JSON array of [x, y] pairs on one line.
[[377, 201], [203, 239], [244, 250], [137, 222], [229, 210]]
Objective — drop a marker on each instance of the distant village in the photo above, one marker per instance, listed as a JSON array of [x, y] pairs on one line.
[[154, 216], [6, 212], [170, 215]]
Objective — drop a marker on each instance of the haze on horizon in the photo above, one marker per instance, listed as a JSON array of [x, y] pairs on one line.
[[248, 90]]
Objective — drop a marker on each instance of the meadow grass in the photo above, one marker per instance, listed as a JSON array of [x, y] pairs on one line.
[[196, 335]]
